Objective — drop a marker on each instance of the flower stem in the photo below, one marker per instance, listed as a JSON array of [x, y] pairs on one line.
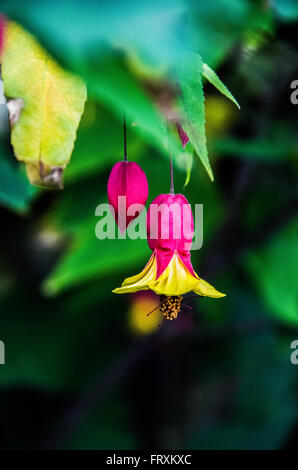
[[171, 163], [124, 134]]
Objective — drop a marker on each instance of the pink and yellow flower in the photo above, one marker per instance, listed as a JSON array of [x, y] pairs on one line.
[[169, 271]]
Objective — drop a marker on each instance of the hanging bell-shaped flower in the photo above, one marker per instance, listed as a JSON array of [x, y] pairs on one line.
[[127, 185], [169, 271]]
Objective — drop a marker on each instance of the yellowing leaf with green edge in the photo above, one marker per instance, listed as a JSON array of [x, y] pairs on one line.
[[45, 104]]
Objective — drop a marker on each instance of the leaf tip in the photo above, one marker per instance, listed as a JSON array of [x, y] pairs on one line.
[[45, 176], [210, 172]]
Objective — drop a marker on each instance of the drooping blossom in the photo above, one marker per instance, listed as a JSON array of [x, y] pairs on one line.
[[127, 179], [169, 271], [182, 134]]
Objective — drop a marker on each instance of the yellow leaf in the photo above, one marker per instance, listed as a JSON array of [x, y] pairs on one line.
[[45, 103]]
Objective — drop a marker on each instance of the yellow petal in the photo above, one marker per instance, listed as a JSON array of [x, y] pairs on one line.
[[205, 289], [175, 280], [139, 281]]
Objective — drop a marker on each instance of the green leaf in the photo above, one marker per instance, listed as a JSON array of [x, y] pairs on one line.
[[189, 74], [213, 78], [91, 258], [49, 105], [274, 270]]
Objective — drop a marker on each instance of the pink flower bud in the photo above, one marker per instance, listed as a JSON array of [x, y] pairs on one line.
[[127, 179], [182, 134]]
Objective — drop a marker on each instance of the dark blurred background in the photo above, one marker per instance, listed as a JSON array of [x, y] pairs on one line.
[[86, 369]]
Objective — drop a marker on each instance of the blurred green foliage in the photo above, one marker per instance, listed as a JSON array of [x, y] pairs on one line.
[[15, 190], [220, 377]]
